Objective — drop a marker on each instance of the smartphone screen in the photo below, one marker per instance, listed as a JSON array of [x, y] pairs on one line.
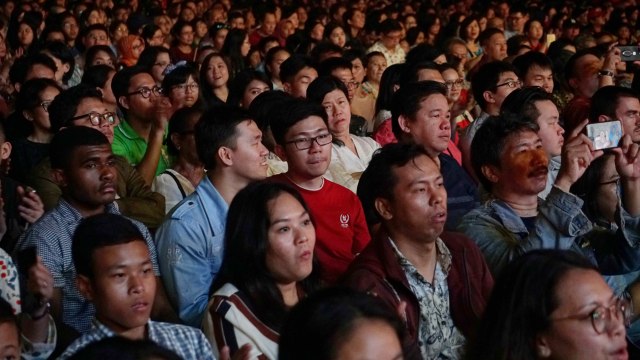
[[605, 135]]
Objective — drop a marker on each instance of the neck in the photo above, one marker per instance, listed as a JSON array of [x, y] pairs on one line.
[[141, 127], [344, 137], [86, 210], [304, 182], [227, 186], [523, 205], [191, 171], [137, 333], [493, 110], [39, 136], [289, 293], [421, 254], [222, 93], [185, 48]]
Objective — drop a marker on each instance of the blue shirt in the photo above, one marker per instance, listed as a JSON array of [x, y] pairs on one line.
[[190, 246], [52, 236], [186, 342]]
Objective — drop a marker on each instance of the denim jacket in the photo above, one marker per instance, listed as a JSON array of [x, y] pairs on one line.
[[560, 224], [190, 249]]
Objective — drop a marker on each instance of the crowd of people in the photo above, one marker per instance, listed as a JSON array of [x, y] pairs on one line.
[[274, 179]]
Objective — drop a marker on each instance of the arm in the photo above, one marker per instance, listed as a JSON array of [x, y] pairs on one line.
[[361, 236], [628, 166], [149, 163], [611, 60], [138, 201]]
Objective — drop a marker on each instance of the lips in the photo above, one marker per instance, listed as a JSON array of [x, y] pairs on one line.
[[108, 188], [620, 354], [140, 306], [306, 255], [539, 172], [440, 216]]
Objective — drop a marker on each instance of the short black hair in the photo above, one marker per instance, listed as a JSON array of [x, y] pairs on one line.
[[327, 66], [93, 27], [100, 231], [29, 96], [67, 140], [63, 108], [486, 79], [179, 75], [20, 68], [323, 85], [178, 125], [378, 180], [487, 34], [122, 79], [525, 62], [217, 128], [263, 106], [97, 75], [406, 101], [292, 112], [522, 102], [389, 25], [62, 52], [149, 56], [605, 101], [239, 84], [290, 67], [422, 53], [411, 71], [93, 51], [488, 143]]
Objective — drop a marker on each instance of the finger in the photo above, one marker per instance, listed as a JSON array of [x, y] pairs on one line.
[[575, 132], [224, 353]]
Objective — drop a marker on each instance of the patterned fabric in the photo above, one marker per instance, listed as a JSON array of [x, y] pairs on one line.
[[185, 341], [393, 57], [41, 351], [438, 336], [52, 236], [9, 282]]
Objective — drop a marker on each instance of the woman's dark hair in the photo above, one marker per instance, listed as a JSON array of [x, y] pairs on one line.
[[177, 29], [412, 35], [523, 298], [246, 243], [93, 51], [318, 325], [268, 58], [28, 98], [239, 84], [12, 34], [178, 125], [148, 31], [62, 52], [149, 56], [323, 85], [463, 27], [231, 49], [96, 76], [328, 29], [389, 80], [586, 188], [179, 75], [206, 90], [114, 27]]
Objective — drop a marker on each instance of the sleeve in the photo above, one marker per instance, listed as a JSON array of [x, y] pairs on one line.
[[40, 179], [48, 248], [138, 201], [120, 148]]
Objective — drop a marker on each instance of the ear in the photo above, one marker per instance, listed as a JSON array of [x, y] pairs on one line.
[[59, 178], [84, 287], [286, 87], [124, 102], [603, 118], [543, 350], [67, 67], [491, 173], [573, 83], [5, 150], [100, 91], [27, 115], [488, 97], [279, 150], [225, 155], [383, 207], [404, 122]]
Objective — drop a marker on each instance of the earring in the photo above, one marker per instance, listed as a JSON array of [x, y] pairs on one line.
[[544, 352]]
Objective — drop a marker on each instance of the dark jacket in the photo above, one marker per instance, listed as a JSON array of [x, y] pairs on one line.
[[376, 270]]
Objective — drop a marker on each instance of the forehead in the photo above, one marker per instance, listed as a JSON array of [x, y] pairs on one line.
[[90, 104], [82, 153], [509, 75], [517, 138], [420, 167], [342, 73], [497, 38], [132, 252], [434, 102], [628, 102], [140, 80], [536, 69], [309, 125], [450, 74], [96, 33], [307, 72]]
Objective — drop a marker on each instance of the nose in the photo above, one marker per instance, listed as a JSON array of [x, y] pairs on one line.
[[436, 195], [135, 284]]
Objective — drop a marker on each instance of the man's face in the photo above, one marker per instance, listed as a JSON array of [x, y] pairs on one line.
[[96, 37], [503, 89], [517, 21], [39, 71], [249, 157], [537, 76], [585, 82], [123, 286], [431, 125], [304, 77], [310, 163], [628, 112], [392, 39], [90, 179], [137, 106], [268, 24], [419, 205], [346, 76], [93, 105], [70, 28], [496, 47], [551, 131], [523, 166]]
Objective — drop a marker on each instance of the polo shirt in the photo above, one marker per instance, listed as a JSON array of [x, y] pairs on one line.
[[128, 144]]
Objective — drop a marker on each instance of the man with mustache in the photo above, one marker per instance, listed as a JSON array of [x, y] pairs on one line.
[[617, 103], [509, 158]]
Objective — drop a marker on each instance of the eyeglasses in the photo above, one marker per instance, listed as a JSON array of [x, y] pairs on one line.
[[451, 83], [306, 143], [511, 84], [220, 26], [603, 317], [45, 105], [183, 87], [98, 119], [145, 92]]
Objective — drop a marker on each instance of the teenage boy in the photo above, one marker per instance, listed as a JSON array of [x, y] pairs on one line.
[[296, 73], [304, 141]]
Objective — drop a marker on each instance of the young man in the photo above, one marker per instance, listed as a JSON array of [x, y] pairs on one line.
[[96, 34], [441, 277], [617, 103], [535, 69], [390, 32], [84, 167], [83, 106], [296, 73], [304, 141], [115, 273], [190, 241], [494, 46], [140, 137]]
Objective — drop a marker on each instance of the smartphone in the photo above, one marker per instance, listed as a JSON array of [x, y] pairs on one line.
[[605, 135], [629, 53]]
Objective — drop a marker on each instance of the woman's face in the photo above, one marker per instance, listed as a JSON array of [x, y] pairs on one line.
[[39, 115], [291, 237], [137, 47], [102, 58], [201, 29], [370, 339], [121, 31], [375, 68], [317, 31], [245, 47], [473, 30], [186, 35], [255, 88], [185, 94], [451, 79], [338, 37], [217, 72], [535, 30], [434, 29], [571, 334], [157, 70], [358, 70], [164, 23], [338, 110], [274, 65], [25, 35], [482, 23], [94, 18], [157, 39]]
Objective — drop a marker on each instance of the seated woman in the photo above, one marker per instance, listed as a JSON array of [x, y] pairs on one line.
[[246, 86], [214, 77], [350, 154], [182, 178], [267, 269], [181, 85], [551, 304]]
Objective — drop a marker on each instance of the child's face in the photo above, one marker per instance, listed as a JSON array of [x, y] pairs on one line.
[[9, 341], [123, 287]]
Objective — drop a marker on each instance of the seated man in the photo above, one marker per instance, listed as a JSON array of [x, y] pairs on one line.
[[115, 273], [512, 165], [304, 141], [190, 241], [441, 277], [535, 69], [84, 167], [83, 106], [296, 73]]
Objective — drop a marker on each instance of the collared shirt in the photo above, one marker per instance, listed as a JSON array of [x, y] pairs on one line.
[[554, 168], [393, 57], [190, 247], [128, 144], [52, 235], [188, 343], [438, 336]]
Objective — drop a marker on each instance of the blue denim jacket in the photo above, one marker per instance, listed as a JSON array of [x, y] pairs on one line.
[[560, 224], [190, 246]]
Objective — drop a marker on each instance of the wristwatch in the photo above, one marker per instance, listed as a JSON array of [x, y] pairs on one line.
[[606, 73]]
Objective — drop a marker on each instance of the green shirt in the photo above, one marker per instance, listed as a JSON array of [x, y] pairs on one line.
[[128, 144]]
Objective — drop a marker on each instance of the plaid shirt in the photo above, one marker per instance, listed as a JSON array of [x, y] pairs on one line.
[[185, 341], [52, 235]]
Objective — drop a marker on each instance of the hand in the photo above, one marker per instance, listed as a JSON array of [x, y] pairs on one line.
[[31, 207], [40, 284], [242, 353], [628, 159], [612, 57], [163, 111], [577, 154]]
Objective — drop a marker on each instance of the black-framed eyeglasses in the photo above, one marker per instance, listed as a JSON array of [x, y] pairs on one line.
[[145, 92], [511, 84], [307, 143], [451, 83], [45, 105], [603, 317], [97, 119]]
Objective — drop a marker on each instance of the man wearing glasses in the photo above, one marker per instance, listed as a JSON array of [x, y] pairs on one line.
[[304, 141], [389, 43], [140, 137]]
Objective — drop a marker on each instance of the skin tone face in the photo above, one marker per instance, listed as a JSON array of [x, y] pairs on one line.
[[40, 71], [375, 67], [346, 76], [371, 339], [38, 115], [301, 81], [245, 47], [249, 157], [9, 341], [309, 164], [537, 76], [473, 31], [459, 51], [551, 132], [338, 111], [496, 47], [358, 70], [278, 59], [338, 37], [291, 237], [25, 35], [628, 112], [185, 95], [585, 82], [185, 36], [157, 39], [157, 70], [578, 293], [317, 31], [137, 47], [502, 92], [430, 126], [123, 287], [391, 40], [451, 79], [102, 58], [535, 30], [88, 105], [96, 37], [255, 88], [268, 24], [136, 104], [217, 72], [70, 28], [218, 40]]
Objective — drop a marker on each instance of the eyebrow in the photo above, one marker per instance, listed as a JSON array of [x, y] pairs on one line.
[[287, 219], [125, 265]]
